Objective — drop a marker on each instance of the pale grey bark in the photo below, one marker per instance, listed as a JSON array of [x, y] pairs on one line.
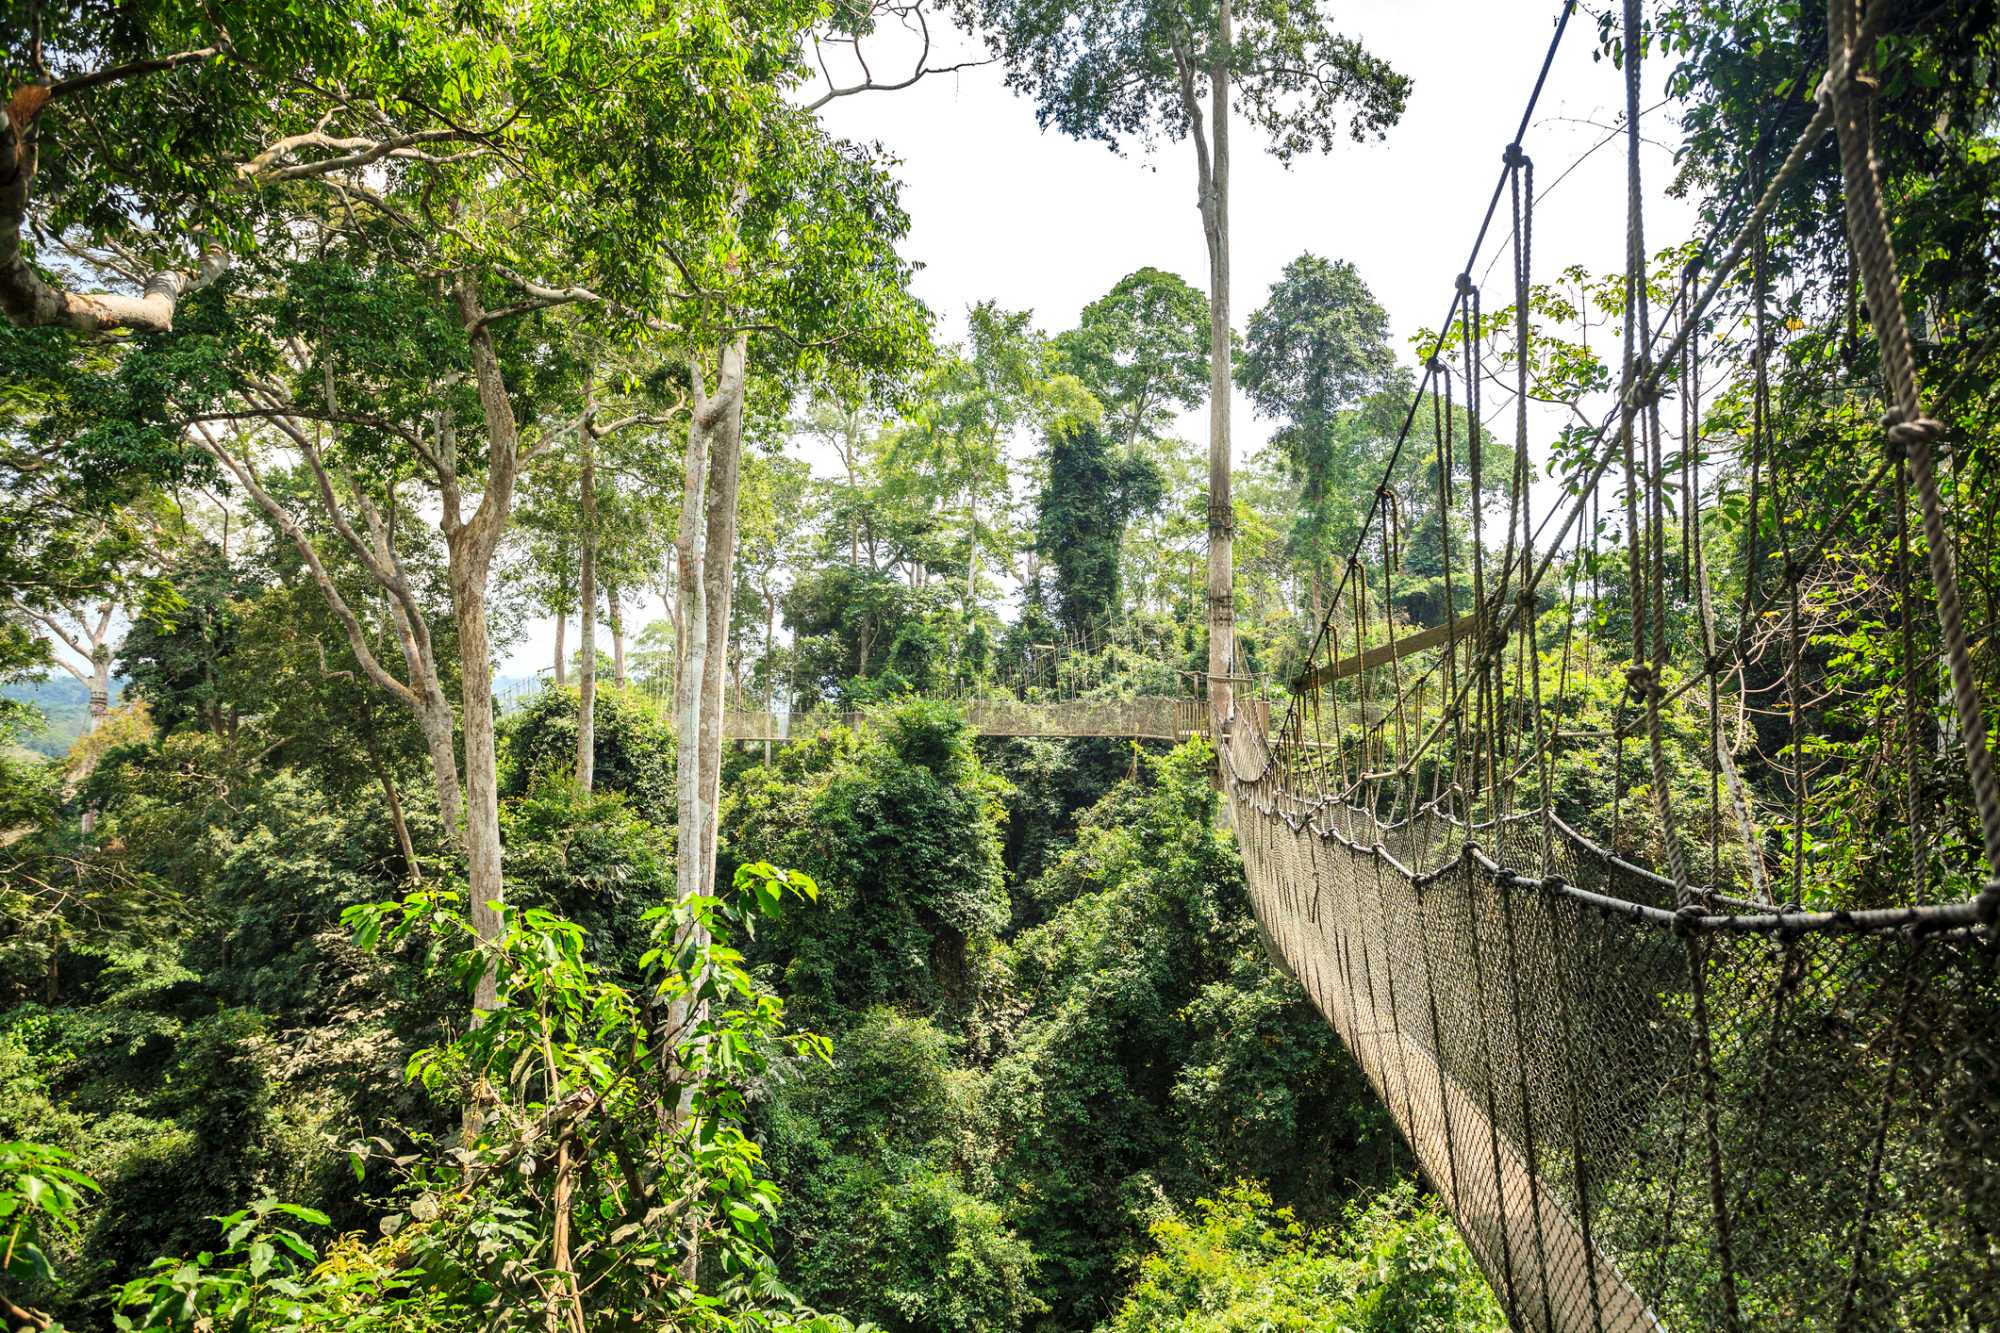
[[90, 641], [471, 544], [1221, 514], [1212, 198], [719, 574], [614, 612], [704, 548], [586, 674]]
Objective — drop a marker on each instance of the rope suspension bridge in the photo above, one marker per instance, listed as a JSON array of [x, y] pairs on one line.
[[1726, 1091]]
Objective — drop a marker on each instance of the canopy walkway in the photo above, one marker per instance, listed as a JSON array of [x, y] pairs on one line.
[[1735, 1091]]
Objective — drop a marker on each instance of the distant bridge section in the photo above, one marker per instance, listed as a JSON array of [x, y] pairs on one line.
[[1147, 718]]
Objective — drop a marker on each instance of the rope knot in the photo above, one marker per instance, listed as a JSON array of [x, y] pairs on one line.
[[1639, 679], [1987, 904], [1465, 287], [1904, 435], [1687, 916], [1514, 157], [1645, 390], [1436, 366]]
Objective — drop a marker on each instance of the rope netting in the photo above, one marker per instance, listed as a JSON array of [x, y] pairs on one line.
[[1554, 847]]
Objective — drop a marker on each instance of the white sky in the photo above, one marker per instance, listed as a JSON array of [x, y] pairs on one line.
[[1002, 210]]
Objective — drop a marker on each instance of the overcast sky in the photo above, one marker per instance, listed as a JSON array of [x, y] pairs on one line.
[[1003, 210]]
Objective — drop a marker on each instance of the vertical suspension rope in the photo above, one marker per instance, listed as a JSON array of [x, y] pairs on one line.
[[1697, 958], [1485, 733], [1442, 413], [1524, 230], [1872, 1193], [1913, 751], [1472, 870], [1908, 429], [1644, 675], [1566, 983], [1506, 881], [1794, 648]]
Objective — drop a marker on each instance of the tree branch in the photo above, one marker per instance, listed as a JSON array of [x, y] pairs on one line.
[[131, 70], [282, 519], [922, 69]]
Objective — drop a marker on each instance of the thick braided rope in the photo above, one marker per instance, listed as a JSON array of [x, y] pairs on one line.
[[1643, 389], [1908, 429]]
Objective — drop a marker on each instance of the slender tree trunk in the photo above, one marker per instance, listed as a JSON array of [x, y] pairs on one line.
[[972, 560], [725, 475], [100, 685], [392, 800], [691, 870], [692, 551], [100, 708], [570, 1294], [562, 654], [438, 725], [1221, 518], [615, 613], [484, 887], [770, 662], [679, 620], [586, 675]]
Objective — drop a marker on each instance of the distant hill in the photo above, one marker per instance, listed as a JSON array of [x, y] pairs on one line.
[[64, 705]]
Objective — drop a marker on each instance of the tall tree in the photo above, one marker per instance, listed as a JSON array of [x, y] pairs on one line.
[[953, 452], [1091, 492], [1317, 347], [1142, 349], [1113, 70]]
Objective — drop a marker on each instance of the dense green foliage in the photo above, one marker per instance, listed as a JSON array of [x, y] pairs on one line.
[[1244, 1267], [1016, 1092]]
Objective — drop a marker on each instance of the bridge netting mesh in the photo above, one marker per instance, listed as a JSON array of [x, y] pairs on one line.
[[1579, 1080], [1754, 1083]]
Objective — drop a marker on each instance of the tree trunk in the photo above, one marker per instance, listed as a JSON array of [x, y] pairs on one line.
[[725, 474], [562, 655], [100, 708], [972, 557], [586, 674], [1221, 518], [770, 661], [100, 685], [615, 613], [434, 716], [692, 548], [485, 889], [393, 800], [691, 642]]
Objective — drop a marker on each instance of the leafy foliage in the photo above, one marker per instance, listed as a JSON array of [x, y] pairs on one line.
[[1241, 1266]]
